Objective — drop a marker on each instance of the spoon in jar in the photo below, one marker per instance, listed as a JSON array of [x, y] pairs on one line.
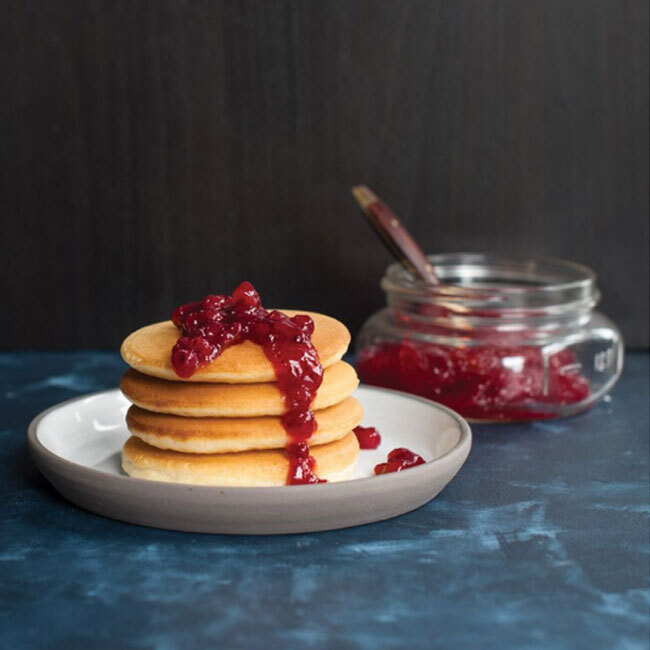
[[394, 235], [405, 249]]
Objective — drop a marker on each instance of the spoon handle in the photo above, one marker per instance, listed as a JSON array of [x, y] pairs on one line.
[[394, 235]]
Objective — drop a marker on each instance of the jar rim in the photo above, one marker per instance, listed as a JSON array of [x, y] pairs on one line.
[[499, 281]]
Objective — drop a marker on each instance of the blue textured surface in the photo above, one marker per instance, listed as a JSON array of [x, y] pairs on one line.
[[540, 542]]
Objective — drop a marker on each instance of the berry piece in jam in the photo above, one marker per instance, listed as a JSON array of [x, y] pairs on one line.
[[210, 326], [398, 460], [368, 437]]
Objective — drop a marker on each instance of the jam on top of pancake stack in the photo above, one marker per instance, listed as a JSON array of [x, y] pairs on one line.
[[229, 393]]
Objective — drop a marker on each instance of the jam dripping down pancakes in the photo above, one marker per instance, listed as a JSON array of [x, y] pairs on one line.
[[210, 326]]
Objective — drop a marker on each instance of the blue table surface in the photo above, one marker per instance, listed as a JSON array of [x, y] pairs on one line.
[[541, 541]]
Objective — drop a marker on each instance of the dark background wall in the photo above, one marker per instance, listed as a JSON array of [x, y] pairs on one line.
[[152, 152]]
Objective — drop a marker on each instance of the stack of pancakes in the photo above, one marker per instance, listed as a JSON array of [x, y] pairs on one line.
[[222, 425]]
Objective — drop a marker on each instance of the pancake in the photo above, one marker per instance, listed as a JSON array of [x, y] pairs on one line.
[[230, 400], [222, 435], [334, 461], [149, 351]]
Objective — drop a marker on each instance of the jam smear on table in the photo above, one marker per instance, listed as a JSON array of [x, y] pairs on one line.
[[368, 437], [215, 323], [486, 382], [398, 460]]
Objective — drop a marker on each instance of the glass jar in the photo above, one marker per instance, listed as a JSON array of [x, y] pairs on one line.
[[504, 337]]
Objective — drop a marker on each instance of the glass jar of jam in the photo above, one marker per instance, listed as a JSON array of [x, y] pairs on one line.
[[503, 338]]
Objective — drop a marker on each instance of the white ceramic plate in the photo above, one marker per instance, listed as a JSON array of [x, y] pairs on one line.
[[77, 446]]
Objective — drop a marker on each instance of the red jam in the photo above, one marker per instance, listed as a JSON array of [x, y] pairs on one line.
[[487, 382], [399, 459], [368, 437], [215, 323]]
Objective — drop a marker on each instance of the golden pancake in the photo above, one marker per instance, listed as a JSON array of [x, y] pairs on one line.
[[335, 461], [230, 400], [223, 435], [149, 351]]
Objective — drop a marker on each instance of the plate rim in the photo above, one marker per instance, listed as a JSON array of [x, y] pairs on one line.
[[39, 451]]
